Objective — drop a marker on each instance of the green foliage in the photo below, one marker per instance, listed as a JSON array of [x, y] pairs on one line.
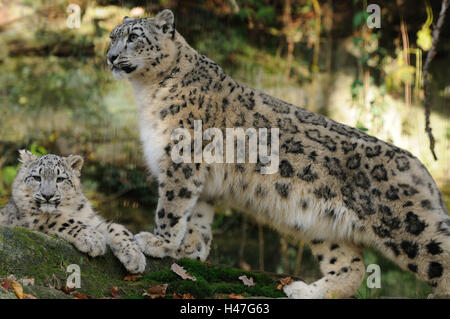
[[37, 149], [424, 38], [265, 14], [7, 175], [361, 127], [360, 18], [260, 11], [37, 83], [9, 172], [356, 87]]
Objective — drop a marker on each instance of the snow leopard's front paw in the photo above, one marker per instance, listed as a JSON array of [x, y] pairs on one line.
[[152, 245], [301, 290], [131, 257], [91, 241]]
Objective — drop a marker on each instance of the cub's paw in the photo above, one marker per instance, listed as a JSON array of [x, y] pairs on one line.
[[131, 257], [91, 242], [301, 290], [152, 245]]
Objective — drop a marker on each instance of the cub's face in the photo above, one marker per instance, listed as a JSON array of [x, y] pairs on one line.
[[47, 183], [142, 46]]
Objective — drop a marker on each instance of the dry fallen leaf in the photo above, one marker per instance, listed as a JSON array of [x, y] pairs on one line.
[[235, 296], [247, 281], [80, 296], [67, 290], [6, 284], [132, 277], [28, 296], [180, 271], [115, 292], [18, 290], [158, 291], [177, 295], [284, 282]]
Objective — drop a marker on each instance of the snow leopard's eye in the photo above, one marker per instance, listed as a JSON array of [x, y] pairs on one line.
[[37, 178], [132, 37], [60, 179]]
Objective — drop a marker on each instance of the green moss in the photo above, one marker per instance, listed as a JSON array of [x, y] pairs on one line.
[[28, 254], [220, 273], [199, 288], [165, 275], [34, 255], [225, 280], [210, 282]]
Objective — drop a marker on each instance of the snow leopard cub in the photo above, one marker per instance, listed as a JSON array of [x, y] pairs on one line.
[[47, 197]]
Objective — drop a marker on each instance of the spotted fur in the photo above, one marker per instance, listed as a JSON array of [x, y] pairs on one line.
[[336, 186], [47, 197]]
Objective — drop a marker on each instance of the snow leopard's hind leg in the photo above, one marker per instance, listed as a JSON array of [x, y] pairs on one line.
[[342, 266], [421, 245], [196, 243]]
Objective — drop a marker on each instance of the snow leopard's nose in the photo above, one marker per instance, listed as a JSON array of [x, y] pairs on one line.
[[111, 58], [47, 197]]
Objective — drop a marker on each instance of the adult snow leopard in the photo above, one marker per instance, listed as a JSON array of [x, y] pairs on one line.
[[336, 187], [47, 197]]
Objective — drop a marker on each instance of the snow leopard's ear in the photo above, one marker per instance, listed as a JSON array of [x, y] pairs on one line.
[[165, 21], [127, 19], [75, 162], [26, 156]]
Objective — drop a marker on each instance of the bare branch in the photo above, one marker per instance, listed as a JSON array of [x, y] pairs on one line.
[[430, 56]]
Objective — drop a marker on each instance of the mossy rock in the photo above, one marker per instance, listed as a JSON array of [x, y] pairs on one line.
[[4, 294], [28, 254]]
